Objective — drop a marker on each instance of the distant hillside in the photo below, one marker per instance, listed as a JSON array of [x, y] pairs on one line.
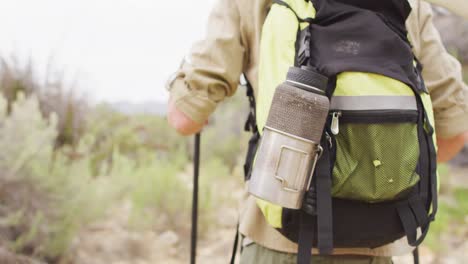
[[150, 107]]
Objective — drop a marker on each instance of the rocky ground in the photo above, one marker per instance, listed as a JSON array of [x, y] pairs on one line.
[[114, 242]]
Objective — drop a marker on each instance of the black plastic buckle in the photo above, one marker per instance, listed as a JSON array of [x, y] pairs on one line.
[[309, 205], [303, 55]]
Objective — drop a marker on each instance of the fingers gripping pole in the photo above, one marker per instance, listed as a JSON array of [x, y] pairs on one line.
[[196, 171]]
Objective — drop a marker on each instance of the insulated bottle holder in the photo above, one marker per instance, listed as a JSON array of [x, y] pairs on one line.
[[291, 187], [289, 147]]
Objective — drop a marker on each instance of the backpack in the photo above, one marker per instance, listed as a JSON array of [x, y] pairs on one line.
[[376, 181]]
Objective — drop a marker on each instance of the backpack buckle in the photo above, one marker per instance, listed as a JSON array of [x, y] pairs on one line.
[[309, 204], [303, 55]]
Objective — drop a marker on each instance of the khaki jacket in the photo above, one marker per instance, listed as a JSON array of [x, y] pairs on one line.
[[459, 7], [211, 71]]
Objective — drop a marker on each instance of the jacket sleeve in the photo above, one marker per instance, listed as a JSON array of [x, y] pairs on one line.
[[212, 69], [444, 79]]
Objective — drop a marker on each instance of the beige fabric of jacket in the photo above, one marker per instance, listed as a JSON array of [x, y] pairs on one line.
[[211, 71], [459, 7]]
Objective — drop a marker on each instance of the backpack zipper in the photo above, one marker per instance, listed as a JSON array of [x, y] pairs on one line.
[[371, 117], [335, 123]]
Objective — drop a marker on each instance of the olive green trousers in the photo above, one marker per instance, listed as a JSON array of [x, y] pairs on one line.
[[256, 254]]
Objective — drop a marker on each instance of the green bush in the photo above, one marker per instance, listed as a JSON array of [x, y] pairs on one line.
[[49, 192], [63, 195], [157, 190], [133, 136], [54, 96], [62, 188]]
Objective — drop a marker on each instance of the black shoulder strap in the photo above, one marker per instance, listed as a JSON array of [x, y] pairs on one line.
[[322, 213], [251, 123], [300, 19], [250, 126], [414, 213], [303, 38]]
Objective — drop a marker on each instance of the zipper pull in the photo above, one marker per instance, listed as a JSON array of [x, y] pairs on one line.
[[335, 124]]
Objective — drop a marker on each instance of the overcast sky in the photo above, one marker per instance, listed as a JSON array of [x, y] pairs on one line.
[[115, 49]]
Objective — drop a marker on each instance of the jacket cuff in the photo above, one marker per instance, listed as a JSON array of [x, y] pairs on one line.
[[193, 103]]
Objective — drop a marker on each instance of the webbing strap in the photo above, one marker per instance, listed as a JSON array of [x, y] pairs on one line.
[[303, 41], [414, 214], [251, 123], [300, 19], [250, 126], [432, 166], [424, 160], [429, 132], [409, 223], [324, 214], [306, 238], [412, 217], [417, 206], [251, 150], [324, 202]]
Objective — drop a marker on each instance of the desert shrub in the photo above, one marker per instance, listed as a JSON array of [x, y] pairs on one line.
[[54, 96], [55, 196], [133, 136], [19, 146], [48, 194], [115, 155], [156, 190]]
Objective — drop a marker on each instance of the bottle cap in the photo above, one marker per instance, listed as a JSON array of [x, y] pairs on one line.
[[307, 78]]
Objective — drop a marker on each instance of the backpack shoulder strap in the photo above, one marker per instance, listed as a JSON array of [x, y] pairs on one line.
[[251, 123], [250, 126]]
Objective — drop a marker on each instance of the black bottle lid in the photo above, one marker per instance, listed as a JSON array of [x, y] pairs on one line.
[[307, 78]]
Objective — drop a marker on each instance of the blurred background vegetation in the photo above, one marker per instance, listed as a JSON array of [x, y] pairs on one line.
[[66, 165], [84, 183]]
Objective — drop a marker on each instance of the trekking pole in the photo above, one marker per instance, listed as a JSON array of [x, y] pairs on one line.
[[416, 255], [196, 171]]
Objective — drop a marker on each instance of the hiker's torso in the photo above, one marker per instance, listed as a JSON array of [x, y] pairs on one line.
[[253, 225]]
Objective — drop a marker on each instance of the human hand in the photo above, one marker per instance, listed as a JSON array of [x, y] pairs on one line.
[[181, 122], [448, 148]]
